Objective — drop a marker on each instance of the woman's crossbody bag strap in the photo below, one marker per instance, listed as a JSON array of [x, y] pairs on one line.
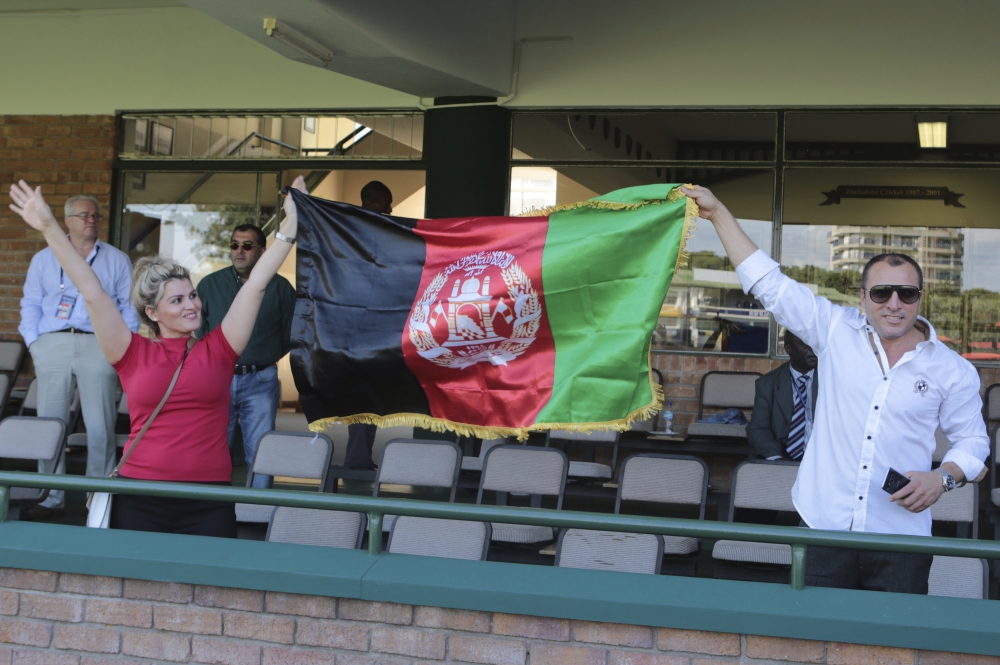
[[156, 411]]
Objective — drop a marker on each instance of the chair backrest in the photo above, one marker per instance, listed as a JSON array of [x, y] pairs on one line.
[[6, 382], [728, 390], [525, 469], [490, 443], [292, 454], [959, 505], [384, 435], [763, 485], [28, 437], [991, 403], [450, 539], [11, 356], [610, 550], [309, 526], [959, 577], [678, 479], [421, 463], [598, 436]]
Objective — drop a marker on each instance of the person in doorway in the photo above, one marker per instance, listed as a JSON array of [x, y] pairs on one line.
[[376, 197], [785, 404], [59, 334], [887, 384], [255, 393], [186, 442]]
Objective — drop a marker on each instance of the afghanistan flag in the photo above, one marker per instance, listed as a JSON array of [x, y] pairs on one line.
[[487, 326]]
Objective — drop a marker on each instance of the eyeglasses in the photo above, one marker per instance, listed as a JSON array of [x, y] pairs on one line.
[[246, 245], [881, 293], [96, 216]]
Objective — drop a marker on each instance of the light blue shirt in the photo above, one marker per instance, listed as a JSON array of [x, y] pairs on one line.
[[42, 292]]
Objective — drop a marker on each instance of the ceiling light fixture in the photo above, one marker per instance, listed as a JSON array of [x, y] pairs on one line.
[[933, 134], [292, 37]]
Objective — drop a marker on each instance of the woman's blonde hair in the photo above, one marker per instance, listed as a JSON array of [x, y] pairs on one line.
[[149, 277]]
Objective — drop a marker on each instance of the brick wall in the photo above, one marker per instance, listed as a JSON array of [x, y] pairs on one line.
[[66, 155], [63, 619]]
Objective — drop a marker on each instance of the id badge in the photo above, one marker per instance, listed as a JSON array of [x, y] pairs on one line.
[[65, 308]]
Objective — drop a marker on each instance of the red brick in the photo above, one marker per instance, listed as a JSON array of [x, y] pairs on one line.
[[615, 634], [489, 650], [98, 660], [58, 608], [645, 658], [187, 620], [332, 634], [163, 591], [220, 651], [157, 646], [307, 606], [368, 610], [519, 625], [286, 656], [373, 659], [27, 633], [8, 604], [120, 613], [6, 656], [28, 657], [840, 653], [232, 599], [87, 638], [259, 627], [559, 654], [34, 580], [408, 642], [780, 648], [91, 585], [697, 641], [441, 617]]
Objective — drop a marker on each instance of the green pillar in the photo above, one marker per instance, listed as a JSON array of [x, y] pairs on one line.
[[467, 149]]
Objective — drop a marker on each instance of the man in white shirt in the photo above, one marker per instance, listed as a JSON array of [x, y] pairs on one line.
[[886, 384], [60, 338]]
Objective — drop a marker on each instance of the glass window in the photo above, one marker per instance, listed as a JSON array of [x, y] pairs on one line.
[[892, 136], [386, 136], [638, 137], [705, 308], [948, 220], [189, 217]]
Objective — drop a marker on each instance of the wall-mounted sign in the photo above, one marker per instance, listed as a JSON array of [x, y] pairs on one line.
[[949, 197]]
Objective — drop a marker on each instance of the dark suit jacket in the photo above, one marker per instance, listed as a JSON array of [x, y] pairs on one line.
[[773, 401]]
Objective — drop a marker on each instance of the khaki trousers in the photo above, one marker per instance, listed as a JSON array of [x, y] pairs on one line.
[[64, 362]]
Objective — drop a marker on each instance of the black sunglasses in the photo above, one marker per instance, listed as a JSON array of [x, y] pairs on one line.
[[246, 244], [881, 293]]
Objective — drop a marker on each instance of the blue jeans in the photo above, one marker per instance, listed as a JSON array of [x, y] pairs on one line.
[[253, 401]]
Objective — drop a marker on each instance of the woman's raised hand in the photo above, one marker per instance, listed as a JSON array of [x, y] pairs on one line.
[[31, 206]]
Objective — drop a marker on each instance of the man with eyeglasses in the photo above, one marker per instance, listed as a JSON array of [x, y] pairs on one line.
[[60, 338], [255, 393], [886, 384]]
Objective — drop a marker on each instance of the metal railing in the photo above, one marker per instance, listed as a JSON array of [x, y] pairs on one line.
[[376, 507]]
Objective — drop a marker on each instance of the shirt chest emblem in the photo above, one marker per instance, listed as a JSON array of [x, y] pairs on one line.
[[920, 387]]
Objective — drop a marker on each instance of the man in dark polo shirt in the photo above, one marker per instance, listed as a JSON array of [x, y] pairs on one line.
[[255, 393]]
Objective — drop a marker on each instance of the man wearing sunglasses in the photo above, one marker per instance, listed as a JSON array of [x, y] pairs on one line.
[[60, 338], [886, 384], [255, 393]]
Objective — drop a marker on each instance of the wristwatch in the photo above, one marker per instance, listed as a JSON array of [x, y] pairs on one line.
[[947, 480], [281, 236]]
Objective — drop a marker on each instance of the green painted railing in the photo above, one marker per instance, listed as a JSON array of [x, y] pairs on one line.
[[800, 539]]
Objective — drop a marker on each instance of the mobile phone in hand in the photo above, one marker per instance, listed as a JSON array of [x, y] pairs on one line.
[[894, 481]]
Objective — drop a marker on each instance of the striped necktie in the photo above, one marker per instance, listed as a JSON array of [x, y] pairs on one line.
[[797, 433]]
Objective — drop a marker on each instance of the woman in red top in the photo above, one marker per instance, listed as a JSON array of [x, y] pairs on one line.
[[187, 442]]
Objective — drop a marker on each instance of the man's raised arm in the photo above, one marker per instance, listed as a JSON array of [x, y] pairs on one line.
[[738, 244]]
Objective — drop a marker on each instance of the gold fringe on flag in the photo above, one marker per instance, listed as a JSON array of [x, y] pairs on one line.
[[487, 433]]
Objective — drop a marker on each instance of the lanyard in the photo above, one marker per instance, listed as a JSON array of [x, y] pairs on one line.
[[62, 286]]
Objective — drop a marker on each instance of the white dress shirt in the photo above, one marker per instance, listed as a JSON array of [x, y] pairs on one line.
[[43, 292], [869, 419]]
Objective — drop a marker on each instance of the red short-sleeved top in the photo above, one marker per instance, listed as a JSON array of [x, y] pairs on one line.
[[188, 440]]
